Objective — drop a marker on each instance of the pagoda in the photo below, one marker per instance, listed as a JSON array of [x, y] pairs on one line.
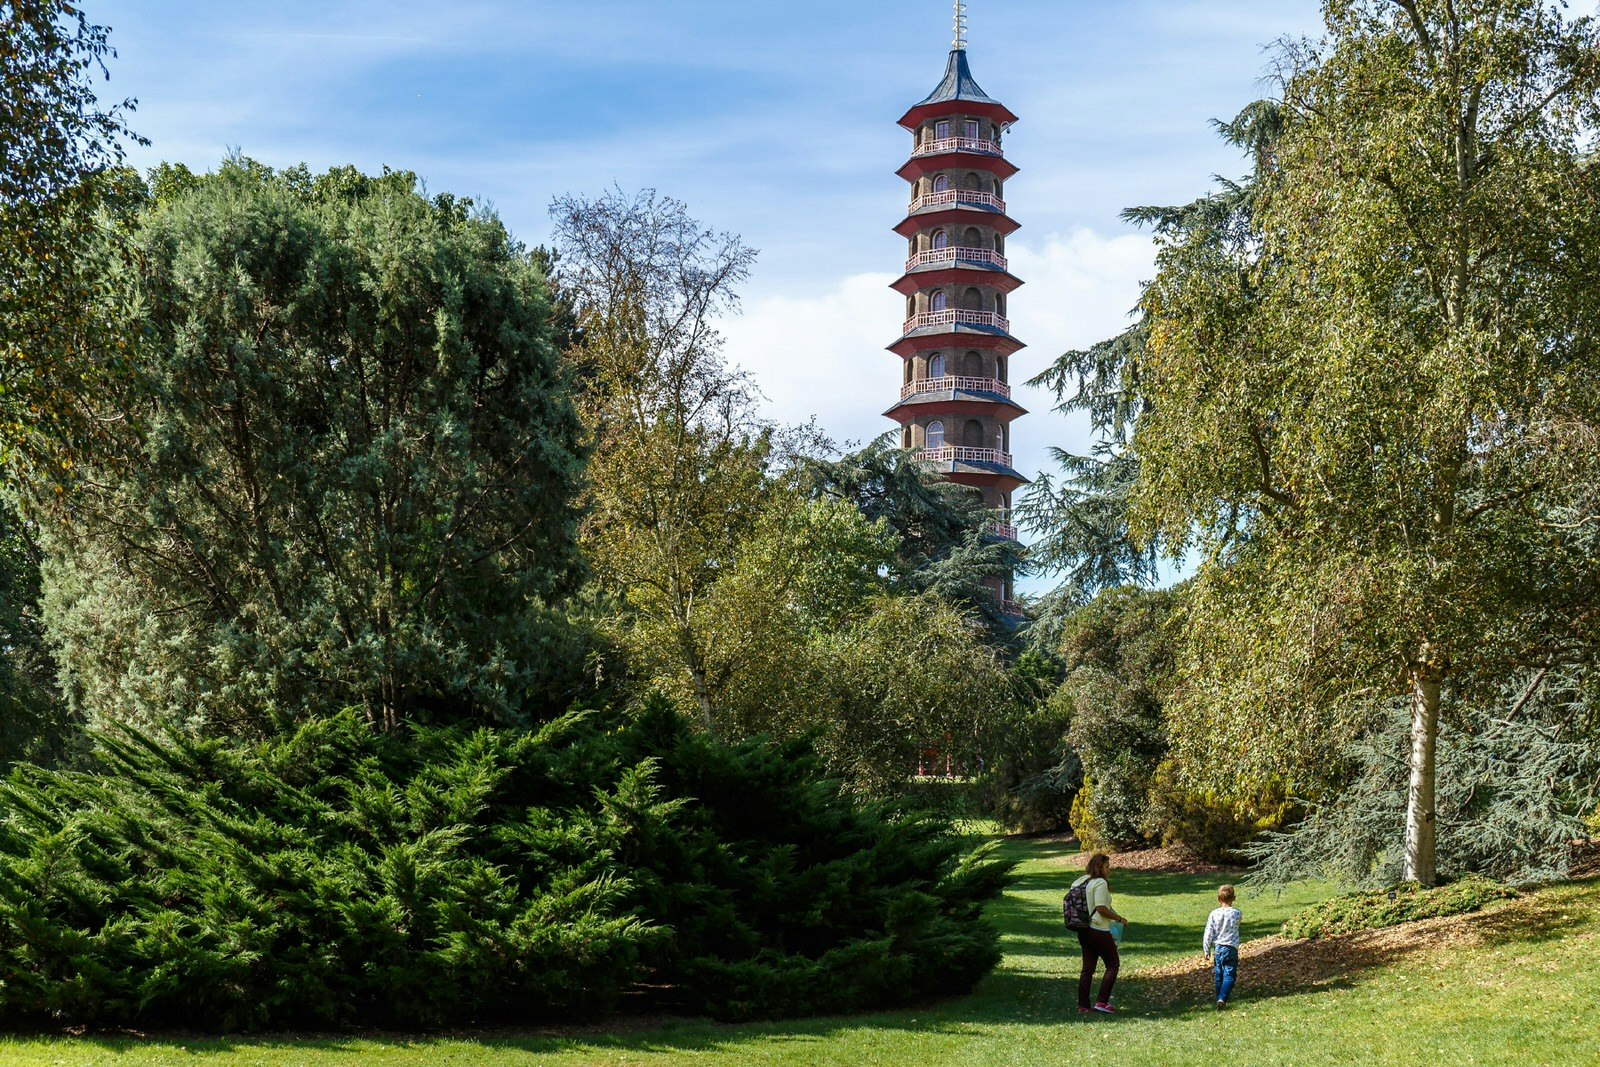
[[955, 407]]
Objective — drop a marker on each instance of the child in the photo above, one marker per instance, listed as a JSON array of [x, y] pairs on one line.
[[1221, 945]]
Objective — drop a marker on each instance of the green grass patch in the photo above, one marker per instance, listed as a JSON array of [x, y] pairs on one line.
[[1517, 985], [1404, 903]]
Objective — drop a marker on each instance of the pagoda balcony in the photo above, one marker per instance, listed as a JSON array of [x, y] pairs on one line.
[[1000, 524], [955, 254], [954, 383], [962, 454], [957, 317], [957, 144], [957, 196]]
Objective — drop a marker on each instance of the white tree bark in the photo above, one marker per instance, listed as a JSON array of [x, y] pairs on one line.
[[1421, 822]]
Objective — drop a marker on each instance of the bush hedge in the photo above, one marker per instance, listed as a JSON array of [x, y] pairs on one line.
[[1374, 910], [442, 877]]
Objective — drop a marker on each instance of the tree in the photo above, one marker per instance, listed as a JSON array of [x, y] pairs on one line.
[[33, 725], [1378, 417], [59, 151], [343, 474], [680, 463], [1118, 654], [910, 672], [942, 542]]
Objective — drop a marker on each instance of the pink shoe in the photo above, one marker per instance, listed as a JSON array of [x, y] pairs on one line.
[[1105, 1009]]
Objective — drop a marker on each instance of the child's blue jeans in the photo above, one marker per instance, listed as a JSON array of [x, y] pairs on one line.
[[1224, 969]]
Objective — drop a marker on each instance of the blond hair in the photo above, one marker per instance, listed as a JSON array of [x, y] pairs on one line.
[[1225, 895]]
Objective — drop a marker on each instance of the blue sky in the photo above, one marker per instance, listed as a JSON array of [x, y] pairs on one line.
[[774, 120]]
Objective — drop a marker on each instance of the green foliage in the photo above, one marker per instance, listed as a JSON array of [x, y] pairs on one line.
[[339, 876], [1410, 902], [1117, 652], [1031, 779], [1212, 826], [59, 156], [34, 725], [1081, 816], [1517, 774], [342, 475], [940, 529]]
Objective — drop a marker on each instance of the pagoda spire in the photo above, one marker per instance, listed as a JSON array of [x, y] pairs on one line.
[[958, 42]]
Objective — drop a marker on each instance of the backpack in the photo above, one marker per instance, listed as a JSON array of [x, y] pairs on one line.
[[1075, 906]]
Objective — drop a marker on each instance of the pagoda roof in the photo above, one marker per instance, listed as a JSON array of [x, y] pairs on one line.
[[958, 83], [958, 86]]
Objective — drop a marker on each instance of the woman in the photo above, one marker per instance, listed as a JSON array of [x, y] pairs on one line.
[[1097, 942]]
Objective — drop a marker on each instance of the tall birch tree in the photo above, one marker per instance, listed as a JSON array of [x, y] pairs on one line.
[[1379, 417]]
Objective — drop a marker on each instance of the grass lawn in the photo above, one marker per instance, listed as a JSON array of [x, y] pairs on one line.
[[1516, 985]]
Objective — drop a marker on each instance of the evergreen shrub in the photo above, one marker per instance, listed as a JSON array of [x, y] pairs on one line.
[[1085, 827], [1214, 827], [1374, 910], [442, 877]]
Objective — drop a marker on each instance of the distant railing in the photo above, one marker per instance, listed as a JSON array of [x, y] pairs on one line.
[[955, 254], [957, 196], [1012, 608], [950, 383], [962, 454], [956, 317], [957, 144], [1000, 525]]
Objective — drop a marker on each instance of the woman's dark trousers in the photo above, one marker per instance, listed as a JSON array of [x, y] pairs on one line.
[[1097, 945]]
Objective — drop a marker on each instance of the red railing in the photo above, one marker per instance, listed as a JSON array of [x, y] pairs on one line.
[[956, 254], [950, 383], [1001, 525], [1012, 608], [957, 144], [963, 454], [957, 196], [955, 317]]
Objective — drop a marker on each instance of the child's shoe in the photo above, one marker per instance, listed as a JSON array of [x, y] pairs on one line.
[[1221, 1004]]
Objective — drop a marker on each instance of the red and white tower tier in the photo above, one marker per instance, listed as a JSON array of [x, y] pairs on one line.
[[955, 403]]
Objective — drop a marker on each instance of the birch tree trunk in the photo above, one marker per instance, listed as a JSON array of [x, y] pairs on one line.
[[1421, 823]]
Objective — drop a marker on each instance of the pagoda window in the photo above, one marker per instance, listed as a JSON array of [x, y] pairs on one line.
[[908, 372], [936, 365], [1000, 367], [972, 434], [972, 238], [911, 306], [972, 365], [972, 300], [939, 300], [941, 184], [971, 181], [1000, 305], [941, 239], [941, 130], [935, 435], [972, 129]]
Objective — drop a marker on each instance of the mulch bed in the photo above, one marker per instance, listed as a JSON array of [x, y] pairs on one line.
[[1155, 861]]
